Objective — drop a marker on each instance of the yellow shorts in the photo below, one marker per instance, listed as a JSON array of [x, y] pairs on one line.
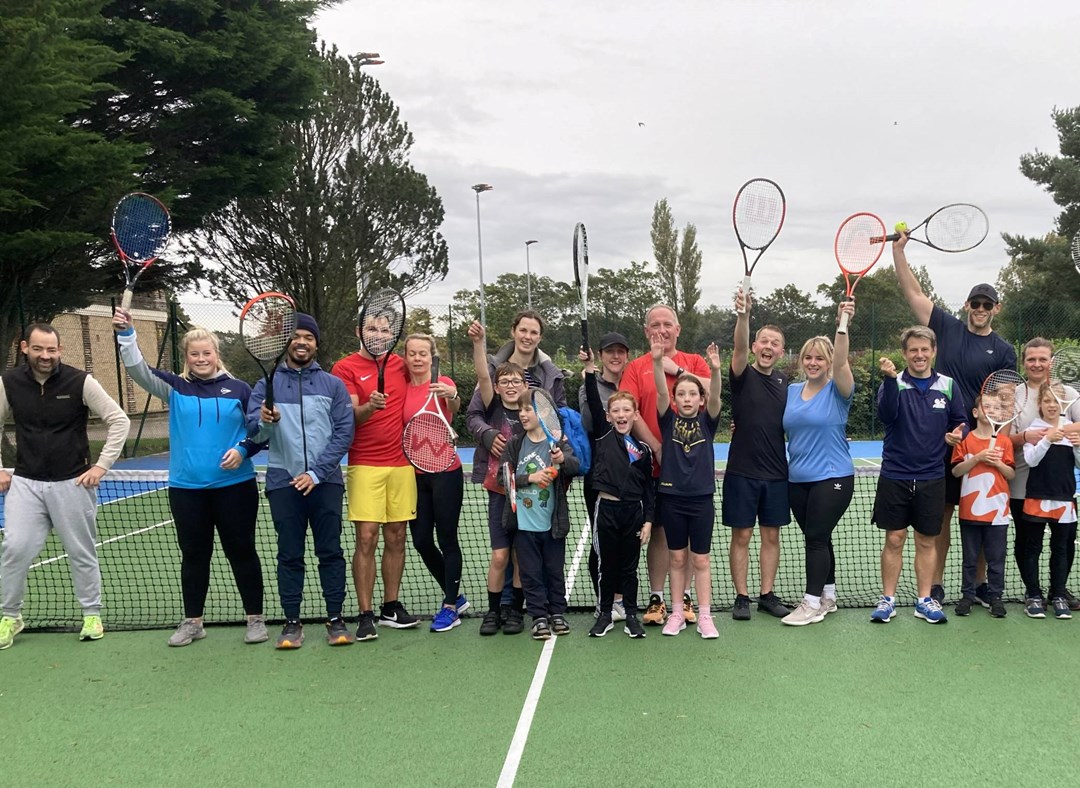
[[378, 494]]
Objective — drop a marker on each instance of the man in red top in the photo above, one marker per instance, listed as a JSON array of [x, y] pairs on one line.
[[379, 481], [638, 380]]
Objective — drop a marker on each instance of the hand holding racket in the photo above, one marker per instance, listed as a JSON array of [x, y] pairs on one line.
[[856, 252], [267, 324], [952, 228], [581, 278], [382, 322], [1065, 377], [140, 233], [1003, 395], [758, 215], [548, 417], [428, 440]]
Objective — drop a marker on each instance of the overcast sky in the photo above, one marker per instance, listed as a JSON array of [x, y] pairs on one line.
[[847, 109]]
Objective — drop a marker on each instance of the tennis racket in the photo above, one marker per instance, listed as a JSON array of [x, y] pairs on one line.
[[548, 416], [382, 322], [581, 279], [856, 252], [758, 215], [429, 441], [140, 233], [267, 323], [952, 228], [1065, 377], [510, 485], [1075, 250], [1004, 395]]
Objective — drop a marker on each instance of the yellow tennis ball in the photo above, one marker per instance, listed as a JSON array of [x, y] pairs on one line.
[[901, 227]]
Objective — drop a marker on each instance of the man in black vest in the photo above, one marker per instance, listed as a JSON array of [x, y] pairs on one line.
[[54, 486]]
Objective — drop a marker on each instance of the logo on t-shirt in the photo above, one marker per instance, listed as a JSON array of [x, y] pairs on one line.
[[939, 403], [990, 351], [364, 377]]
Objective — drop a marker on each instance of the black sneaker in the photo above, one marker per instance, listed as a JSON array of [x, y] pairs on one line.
[[504, 613], [741, 611], [540, 629], [559, 624], [1061, 607], [770, 603], [492, 623], [982, 595], [997, 608], [937, 592], [365, 626], [963, 607], [633, 627], [602, 626], [337, 634], [1034, 608], [514, 623], [1074, 602], [292, 635], [394, 615]]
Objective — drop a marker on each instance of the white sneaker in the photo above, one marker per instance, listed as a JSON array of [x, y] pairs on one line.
[[188, 631], [828, 605], [803, 615], [618, 611]]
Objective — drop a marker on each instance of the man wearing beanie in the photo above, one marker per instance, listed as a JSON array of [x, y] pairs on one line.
[[309, 430]]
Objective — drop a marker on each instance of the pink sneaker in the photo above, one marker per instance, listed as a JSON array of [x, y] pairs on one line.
[[675, 623], [706, 628]]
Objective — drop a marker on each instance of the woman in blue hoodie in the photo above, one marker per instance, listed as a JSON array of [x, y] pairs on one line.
[[211, 477]]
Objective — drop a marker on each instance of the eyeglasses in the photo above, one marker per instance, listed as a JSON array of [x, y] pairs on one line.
[[510, 381], [987, 305]]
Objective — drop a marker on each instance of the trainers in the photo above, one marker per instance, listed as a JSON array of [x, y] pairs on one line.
[[688, 609], [937, 593], [675, 623], [462, 604], [492, 623], [602, 626], [963, 607], [337, 634], [770, 603], [884, 611], [292, 635], [188, 631], [741, 611], [541, 630], [256, 630], [656, 612], [394, 615], [1061, 607], [514, 623], [929, 610], [706, 628], [632, 627], [91, 628], [803, 615], [982, 595], [828, 604], [365, 626], [559, 624], [9, 628], [997, 608], [1074, 602], [1033, 607], [618, 611], [445, 620]]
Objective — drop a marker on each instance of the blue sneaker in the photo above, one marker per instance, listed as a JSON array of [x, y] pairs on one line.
[[463, 604], [884, 611], [929, 610], [445, 620]]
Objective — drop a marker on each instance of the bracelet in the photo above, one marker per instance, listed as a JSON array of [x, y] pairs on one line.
[[679, 371]]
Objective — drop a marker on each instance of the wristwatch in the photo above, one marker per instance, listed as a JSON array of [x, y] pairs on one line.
[[679, 371]]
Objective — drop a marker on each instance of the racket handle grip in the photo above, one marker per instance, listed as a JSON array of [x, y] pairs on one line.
[[842, 328], [585, 335], [890, 238], [125, 300], [746, 290]]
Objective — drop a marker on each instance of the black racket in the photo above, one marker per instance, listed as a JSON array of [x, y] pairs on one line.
[[856, 253], [1075, 250], [758, 215], [428, 440], [1004, 394], [952, 228], [581, 279], [382, 322], [267, 324], [140, 233]]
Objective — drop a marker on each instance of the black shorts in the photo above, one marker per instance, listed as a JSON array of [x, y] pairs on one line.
[[952, 483], [900, 503], [688, 520], [748, 500]]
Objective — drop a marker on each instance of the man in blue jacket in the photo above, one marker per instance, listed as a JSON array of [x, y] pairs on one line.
[[309, 429], [922, 411]]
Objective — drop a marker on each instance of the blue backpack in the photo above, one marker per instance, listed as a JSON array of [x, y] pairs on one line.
[[576, 437]]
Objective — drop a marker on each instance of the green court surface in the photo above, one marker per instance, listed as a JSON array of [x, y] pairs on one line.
[[977, 701]]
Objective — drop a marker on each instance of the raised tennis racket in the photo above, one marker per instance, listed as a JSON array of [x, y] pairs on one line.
[[267, 323], [140, 233], [548, 416], [857, 252], [510, 485], [382, 322], [581, 279], [429, 441], [1004, 395], [1065, 377], [758, 215], [952, 228], [1075, 251]]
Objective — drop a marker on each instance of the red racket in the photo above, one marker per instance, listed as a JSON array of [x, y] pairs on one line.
[[428, 440], [858, 246], [140, 233]]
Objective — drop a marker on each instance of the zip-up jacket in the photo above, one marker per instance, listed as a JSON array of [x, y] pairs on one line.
[[315, 429], [560, 517], [915, 425]]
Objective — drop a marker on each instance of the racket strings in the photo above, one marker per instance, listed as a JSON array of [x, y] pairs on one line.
[[428, 443], [1004, 395], [859, 243], [957, 227], [141, 227], [759, 213], [1065, 374], [267, 326], [1075, 251], [547, 414], [382, 321]]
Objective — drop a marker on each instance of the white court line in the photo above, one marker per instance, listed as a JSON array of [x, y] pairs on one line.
[[532, 698], [62, 556]]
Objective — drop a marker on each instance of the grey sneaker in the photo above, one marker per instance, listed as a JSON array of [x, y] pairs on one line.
[[256, 630], [803, 615], [189, 630], [828, 605]]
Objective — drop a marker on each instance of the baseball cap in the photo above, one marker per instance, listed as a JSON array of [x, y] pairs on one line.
[[613, 338], [984, 290]]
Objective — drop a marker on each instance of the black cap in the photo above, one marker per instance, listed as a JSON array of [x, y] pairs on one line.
[[984, 290], [613, 338]]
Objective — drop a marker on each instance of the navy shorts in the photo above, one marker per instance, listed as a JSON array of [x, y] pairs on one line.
[[748, 500], [900, 503], [688, 520], [500, 539]]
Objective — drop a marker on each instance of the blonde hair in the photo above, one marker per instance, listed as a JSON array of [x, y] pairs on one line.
[[422, 338], [824, 344], [201, 335]]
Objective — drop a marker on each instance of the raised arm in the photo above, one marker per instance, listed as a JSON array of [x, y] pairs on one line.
[[920, 304], [484, 384], [741, 355], [154, 381], [712, 355], [843, 378], [663, 399]]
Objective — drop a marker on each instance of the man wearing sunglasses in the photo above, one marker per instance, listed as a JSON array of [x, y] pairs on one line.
[[967, 352]]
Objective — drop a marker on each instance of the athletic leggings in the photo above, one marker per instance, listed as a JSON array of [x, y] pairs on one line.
[[818, 507], [438, 507], [232, 511]]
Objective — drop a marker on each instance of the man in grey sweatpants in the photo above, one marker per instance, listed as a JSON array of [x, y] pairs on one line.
[[54, 486]]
